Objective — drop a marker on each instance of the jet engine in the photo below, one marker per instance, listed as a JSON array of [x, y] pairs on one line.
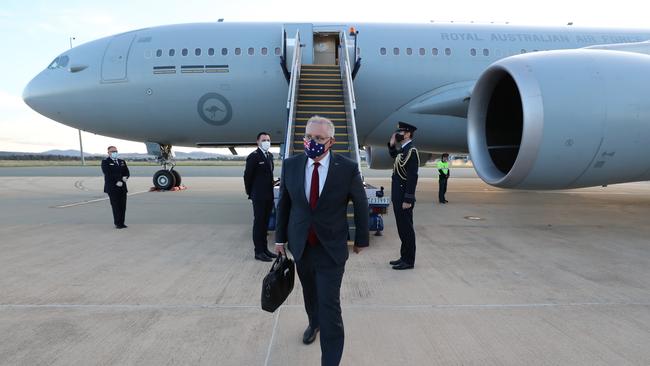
[[562, 119]]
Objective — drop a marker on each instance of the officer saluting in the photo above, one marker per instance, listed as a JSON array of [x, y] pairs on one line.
[[115, 175], [404, 180]]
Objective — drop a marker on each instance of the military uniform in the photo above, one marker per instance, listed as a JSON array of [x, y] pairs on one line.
[[404, 181], [114, 171], [258, 181]]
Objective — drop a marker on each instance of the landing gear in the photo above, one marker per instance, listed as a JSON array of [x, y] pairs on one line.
[[166, 178]]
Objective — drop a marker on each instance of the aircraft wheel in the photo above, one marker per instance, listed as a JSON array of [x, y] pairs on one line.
[[177, 175], [164, 179]]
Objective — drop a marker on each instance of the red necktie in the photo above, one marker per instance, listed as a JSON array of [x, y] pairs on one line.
[[312, 239]]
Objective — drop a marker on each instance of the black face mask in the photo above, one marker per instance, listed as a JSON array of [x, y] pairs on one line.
[[399, 137]]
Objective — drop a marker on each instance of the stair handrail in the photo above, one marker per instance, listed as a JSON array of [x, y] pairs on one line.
[[350, 102], [292, 95]]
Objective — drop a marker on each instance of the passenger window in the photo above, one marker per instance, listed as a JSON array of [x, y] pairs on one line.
[[264, 51], [197, 52], [448, 51], [237, 51], [422, 51], [523, 50], [409, 51], [251, 51], [277, 51], [434, 51], [382, 51], [172, 52], [396, 51], [224, 51], [184, 52], [472, 52], [158, 53], [486, 52], [210, 51]]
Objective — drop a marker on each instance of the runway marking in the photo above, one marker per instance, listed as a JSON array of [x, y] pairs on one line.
[[297, 306], [93, 201], [275, 327]]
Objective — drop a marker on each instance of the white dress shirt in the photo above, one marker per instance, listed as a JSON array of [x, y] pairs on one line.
[[322, 174]]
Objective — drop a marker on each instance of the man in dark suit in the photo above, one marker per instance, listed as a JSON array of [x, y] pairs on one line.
[[116, 173], [312, 217], [403, 183], [258, 181]]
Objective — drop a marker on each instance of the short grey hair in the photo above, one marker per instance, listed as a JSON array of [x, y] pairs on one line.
[[322, 121]]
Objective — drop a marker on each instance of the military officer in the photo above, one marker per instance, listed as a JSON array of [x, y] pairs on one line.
[[404, 181], [258, 181], [116, 173]]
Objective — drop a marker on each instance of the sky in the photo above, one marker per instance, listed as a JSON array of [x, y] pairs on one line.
[[33, 33]]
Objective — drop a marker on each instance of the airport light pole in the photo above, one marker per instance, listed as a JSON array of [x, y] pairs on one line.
[[81, 145]]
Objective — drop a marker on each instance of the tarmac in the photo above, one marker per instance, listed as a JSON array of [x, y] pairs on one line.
[[501, 277]]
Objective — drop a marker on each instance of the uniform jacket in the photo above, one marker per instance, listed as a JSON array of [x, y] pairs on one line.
[[329, 218], [405, 176], [258, 176], [113, 172]]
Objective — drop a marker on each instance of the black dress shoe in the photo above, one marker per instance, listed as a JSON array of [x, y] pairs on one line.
[[403, 265], [270, 254], [395, 262], [121, 226], [310, 335], [263, 257]]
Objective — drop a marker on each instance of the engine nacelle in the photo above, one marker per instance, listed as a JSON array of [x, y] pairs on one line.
[[378, 157], [562, 119]]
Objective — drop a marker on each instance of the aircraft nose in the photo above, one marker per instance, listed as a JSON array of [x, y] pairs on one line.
[[38, 94]]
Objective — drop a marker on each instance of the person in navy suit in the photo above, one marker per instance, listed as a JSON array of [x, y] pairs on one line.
[[312, 217], [258, 181], [116, 173]]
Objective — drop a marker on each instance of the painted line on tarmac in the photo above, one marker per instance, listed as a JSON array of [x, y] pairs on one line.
[[275, 327], [299, 306], [93, 201]]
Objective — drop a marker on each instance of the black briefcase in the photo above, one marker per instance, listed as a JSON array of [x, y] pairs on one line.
[[278, 283]]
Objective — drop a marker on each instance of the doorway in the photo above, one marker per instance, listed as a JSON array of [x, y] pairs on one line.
[[326, 48]]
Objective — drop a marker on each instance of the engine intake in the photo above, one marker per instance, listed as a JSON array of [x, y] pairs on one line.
[[562, 119]]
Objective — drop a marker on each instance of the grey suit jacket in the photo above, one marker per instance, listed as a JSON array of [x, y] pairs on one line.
[[329, 218]]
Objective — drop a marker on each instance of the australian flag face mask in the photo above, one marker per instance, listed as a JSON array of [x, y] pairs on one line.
[[313, 149]]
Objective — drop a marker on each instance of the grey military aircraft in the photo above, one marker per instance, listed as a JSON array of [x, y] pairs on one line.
[[535, 107]]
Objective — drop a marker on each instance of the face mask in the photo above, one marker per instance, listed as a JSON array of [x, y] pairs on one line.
[[399, 137], [313, 149], [113, 155], [265, 145]]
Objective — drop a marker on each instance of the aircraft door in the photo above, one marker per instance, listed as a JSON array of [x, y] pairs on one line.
[[115, 58], [306, 38]]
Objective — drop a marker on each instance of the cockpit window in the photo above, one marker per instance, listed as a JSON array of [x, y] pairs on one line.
[[59, 62]]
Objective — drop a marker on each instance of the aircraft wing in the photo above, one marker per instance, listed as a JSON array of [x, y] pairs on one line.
[[450, 100], [636, 47]]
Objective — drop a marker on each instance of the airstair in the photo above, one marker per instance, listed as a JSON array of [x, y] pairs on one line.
[[326, 91]]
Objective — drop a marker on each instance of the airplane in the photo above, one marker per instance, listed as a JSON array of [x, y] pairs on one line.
[[534, 107]]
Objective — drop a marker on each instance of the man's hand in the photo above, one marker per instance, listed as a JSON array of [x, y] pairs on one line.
[[279, 248], [125, 179], [119, 183], [392, 139], [357, 249], [406, 206]]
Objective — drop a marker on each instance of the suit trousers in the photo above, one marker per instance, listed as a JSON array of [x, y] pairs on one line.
[[261, 213], [321, 280], [118, 204], [442, 189], [404, 221]]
